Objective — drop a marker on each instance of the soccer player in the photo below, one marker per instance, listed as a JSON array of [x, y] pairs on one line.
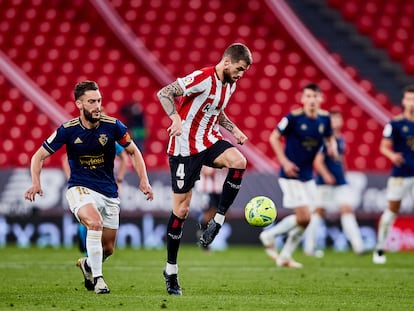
[[333, 193], [122, 156], [305, 131], [397, 145], [92, 191], [195, 140]]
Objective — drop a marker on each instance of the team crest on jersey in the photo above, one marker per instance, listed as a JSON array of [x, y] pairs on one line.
[[180, 184], [103, 139], [321, 128], [405, 129], [303, 127]]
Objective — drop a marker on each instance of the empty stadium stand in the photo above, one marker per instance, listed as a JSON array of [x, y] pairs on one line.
[[59, 43]]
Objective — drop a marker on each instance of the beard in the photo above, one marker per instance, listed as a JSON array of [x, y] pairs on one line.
[[89, 116], [227, 77]]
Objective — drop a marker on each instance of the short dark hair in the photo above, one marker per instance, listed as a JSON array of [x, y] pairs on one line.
[[409, 89], [238, 52], [312, 86], [335, 111], [84, 86]]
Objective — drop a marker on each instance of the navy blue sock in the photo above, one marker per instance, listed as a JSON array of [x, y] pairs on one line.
[[231, 188], [174, 233]]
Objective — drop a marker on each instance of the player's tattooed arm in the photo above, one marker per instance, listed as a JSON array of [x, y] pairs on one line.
[[225, 122], [231, 127], [166, 97]]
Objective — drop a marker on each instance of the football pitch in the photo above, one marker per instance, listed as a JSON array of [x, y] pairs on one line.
[[240, 278]]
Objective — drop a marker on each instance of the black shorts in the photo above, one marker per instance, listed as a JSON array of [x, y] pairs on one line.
[[185, 171]]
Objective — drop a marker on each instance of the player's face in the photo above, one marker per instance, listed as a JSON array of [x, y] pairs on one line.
[[311, 101], [90, 106], [408, 101], [233, 71], [336, 121]]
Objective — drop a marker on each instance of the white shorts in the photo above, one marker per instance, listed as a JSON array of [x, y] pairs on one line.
[[107, 207], [332, 197], [298, 193], [398, 187]]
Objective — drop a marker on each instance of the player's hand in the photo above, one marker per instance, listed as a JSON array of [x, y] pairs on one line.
[[291, 170], [30, 194], [397, 159], [146, 189], [176, 128], [329, 179], [241, 138]]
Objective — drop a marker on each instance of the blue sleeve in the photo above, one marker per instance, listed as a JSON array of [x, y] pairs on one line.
[[118, 148]]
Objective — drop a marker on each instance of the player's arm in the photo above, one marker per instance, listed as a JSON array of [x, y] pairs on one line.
[[166, 97], [65, 166], [386, 149], [225, 122], [36, 164], [289, 167], [123, 163], [141, 170], [322, 169], [332, 147]]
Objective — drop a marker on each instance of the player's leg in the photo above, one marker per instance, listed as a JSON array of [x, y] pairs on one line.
[[224, 155], [397, 187], [185, 171], [311, 234], [83, 205], [267, 237], [386, 220], [351, 229], [295, 235], [302, 194], [324, 196], [92, 219], [181, 204]]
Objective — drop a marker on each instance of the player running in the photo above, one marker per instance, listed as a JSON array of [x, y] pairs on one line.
[[92, 191]]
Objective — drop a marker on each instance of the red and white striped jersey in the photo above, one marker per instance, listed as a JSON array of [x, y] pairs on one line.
[[204, 98]]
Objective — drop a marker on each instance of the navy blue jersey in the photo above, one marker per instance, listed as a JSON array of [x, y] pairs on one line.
[[304, 138], [91, 152], [334, 166], [401, 132]]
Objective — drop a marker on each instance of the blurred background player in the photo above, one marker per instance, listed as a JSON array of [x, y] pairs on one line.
[[133, 114], [211, 183], [121, 170], [333, 193], [397, 145], [305, 131]]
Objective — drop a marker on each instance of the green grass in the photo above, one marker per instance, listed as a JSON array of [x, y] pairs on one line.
[[241, 278]]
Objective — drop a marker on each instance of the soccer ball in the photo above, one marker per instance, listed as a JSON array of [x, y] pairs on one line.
[[260, 211]]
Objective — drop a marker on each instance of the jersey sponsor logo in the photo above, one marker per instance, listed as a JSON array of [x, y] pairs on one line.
[[51, 137], [78, 141], [92, 162], [103, 139]]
